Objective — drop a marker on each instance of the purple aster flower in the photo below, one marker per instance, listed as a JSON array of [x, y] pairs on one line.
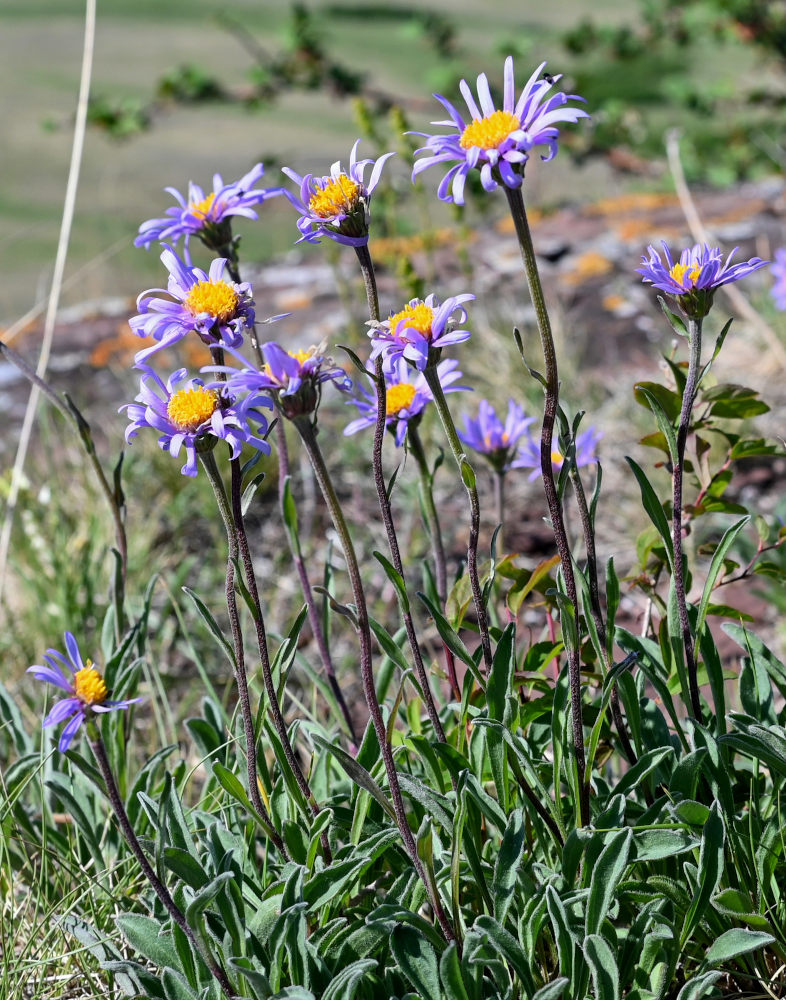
[[194, 416], [338, 205], [407, 396], [694, 278], [529, 452], [219, 311], [497, 142], [294, 378], [207, 215], [86, 688], [493, 439], [778, 271], [420, 330]]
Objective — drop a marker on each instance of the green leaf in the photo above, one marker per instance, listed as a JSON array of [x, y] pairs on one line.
[[552, 990], [738, 904], [603, 967], [606, 875], [508, 863], [418, 960], [145, 936], [734, 401], [646, 764], [345, 984], [666, 400], [501, 673], [452, 640], [176, 987], [699, 986], [710, 870], [653, 507], [664, 423], [396, 579], [715, 567], [212, 625], [450, 974], [508, 947], [357, 773]]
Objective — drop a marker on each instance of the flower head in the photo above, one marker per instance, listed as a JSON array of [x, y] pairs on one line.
[[195, 416], [207, 215], [294, 378], [497, 142], [219, 311], [694, 278], [493, 439], [529, 452], [420, 330], [778, 271], [407, 396], [86, 688], [338, 205]]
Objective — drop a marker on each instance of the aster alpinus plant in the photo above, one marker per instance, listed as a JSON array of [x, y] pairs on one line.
[[574, 816]]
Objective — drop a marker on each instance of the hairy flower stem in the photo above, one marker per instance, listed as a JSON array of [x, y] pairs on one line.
[[688, 397], [426, 481], [99, 752], [308, 435], [595, 608], [367, 269], [467, 474], [551, 387], [305, 586], [210, 467], [264, 655]]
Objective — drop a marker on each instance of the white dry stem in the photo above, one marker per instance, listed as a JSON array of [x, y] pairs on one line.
[[57, 281]]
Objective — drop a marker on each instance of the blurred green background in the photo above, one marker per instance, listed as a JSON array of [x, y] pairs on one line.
[[188, 87]]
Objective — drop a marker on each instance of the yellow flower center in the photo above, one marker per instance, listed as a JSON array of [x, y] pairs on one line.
[[202, 208], [398, 398], [420, 317], [188, 408], [489, 132], [301, 356], [339, 195], [214, 297], [679, 271], [89, 685], [557, 458]]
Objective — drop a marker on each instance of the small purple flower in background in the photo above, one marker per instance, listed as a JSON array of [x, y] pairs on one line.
[[694, 278], [195, 416], [493, 439], [778, 271], [294, 378], [529, 453], [207, 215], [497, 142], [406, 398], [219, 311], [420, 330], [338, 205], [86, 688]]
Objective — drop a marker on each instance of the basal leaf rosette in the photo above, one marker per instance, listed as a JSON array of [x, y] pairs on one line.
[[207, 215], [220, 312], [692, 280], [407, 396], [192, 416], [496, 441], [418, 332], [84, 685], [337, 206], [497, 141]]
